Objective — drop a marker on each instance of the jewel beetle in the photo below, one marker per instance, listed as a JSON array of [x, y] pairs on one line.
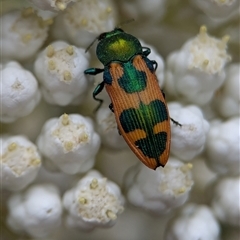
[[136, 99]]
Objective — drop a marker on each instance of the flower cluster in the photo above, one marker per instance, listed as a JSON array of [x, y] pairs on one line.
[[66, 167]]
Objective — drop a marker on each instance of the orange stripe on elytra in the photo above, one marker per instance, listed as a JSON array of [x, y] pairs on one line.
[[116, 71], [159, 127], [136, 134]]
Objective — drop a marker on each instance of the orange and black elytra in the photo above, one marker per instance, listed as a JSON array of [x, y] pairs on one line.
[[137, 101]]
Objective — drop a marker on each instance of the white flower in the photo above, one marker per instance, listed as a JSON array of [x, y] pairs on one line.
[[138, 9], [19, 92], [19, 162], [189, 139], [218, 9], [61, 180], [37, 211], [22, 34], [196, 71], [194, 222], [161, 190], [69, 143], [45, 15], [222, 147], [86, 19], [93, 202], [225, 200], [107, 128], [60, 69], [227, 99], [202, 176], [52, 5]]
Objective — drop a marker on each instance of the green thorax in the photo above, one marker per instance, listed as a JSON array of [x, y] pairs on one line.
[[117, 46]]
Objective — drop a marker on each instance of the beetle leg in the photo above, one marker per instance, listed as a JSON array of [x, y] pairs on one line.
[[176, 123], [146, 51], [163, 93], [154, 63], [96, 91], [119, 131], [93, 71], [111, 107]]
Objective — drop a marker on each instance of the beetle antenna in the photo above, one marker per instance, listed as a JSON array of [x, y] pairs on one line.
[[91, 44], [125, 22]]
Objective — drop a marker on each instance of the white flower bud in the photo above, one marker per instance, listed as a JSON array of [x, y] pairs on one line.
[[22, 34], [93, 202], [192, 223], [21, 93], [227, 99], [19, 162], [225, 204], [86, 19], [37, 211], [189, 139], [69, 143], [161, 190], [107, 128], [60, 69], [52, 5], [218, 9], [196, 71], [138, 9], [222, 147]]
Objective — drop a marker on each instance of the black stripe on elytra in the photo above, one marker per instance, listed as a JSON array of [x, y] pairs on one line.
[[145, 118], [107, 78], [153, 145]]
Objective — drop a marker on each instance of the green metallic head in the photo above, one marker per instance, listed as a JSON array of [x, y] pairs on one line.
[[117, 46]]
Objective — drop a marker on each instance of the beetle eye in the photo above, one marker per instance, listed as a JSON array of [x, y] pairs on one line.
[[102, 36]]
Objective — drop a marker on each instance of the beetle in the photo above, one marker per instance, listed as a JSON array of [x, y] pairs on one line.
[[136, 99]]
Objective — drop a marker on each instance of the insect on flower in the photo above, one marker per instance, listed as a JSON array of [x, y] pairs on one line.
[[137, 101]]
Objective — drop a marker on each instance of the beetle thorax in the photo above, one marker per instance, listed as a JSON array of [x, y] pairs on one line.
[[120, 48]]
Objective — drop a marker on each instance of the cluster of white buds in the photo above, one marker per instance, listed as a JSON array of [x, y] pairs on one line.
[[69, 143], [53, 145]]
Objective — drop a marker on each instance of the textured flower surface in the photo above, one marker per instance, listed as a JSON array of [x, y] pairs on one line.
[[59, 69], [20, 93], [66, 171], [94, 202]]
